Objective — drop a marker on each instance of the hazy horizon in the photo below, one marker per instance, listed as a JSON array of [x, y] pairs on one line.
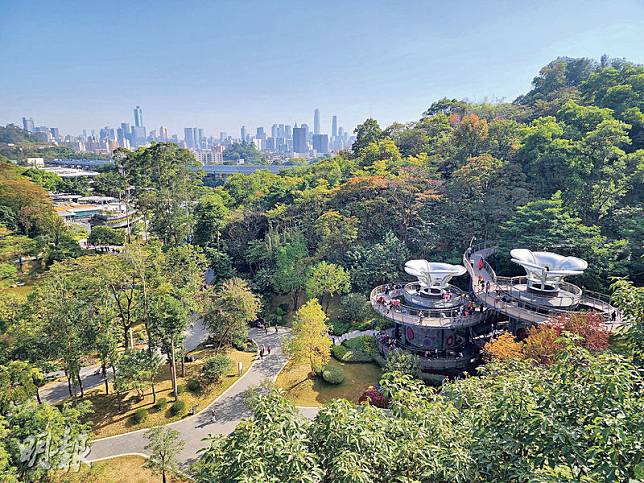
[[220, 66]]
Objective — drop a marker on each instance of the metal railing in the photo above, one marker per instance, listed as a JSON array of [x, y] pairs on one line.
[[442, 318]]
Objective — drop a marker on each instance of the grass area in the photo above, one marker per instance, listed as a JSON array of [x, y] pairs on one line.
[[112, 413], [305, 390], [114, 470]]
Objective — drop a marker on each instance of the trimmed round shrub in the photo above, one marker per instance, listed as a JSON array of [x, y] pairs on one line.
[[216, 368], [333, 374], [178, 407], [139, 416], [161, 404], [194, 385]]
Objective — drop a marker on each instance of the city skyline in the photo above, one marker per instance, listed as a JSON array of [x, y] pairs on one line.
[[356, 61]]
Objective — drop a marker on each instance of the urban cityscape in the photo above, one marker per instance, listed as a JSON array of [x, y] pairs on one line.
[[332, 242], [280, 143]]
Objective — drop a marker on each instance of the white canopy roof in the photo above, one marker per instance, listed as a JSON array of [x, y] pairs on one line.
[[433, 274], [547, 266]]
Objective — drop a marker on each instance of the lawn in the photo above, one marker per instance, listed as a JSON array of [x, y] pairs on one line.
[[306, 391], [113, 470], [112, 412]]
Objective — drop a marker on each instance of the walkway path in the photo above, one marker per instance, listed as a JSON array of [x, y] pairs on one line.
[[57, 392], [229, 409]]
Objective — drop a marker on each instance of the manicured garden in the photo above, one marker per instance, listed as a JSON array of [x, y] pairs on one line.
[[113, 470], [306, 390], [117, 414]]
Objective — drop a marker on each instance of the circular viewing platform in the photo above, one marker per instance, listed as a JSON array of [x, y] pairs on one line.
[[396, 302]]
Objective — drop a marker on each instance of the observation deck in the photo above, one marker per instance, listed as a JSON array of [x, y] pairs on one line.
[[513, 297]]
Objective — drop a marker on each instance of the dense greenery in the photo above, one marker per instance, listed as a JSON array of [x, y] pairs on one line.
[[246, 151]]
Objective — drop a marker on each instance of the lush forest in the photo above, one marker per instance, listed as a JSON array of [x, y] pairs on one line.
[[561, 168]]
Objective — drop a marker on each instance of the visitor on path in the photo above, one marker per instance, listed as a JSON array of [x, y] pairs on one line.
[[213, 416], [266, 328], [276, 328], [269, 350], [487, 287], [613, 315], [481, 264], [261, 353]]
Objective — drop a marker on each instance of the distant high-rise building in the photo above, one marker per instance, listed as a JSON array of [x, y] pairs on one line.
[[274, 131], [222, 136], [340, 131], [28, 124], [306, 130], [163, 134], [55, 133], [200, 139], [138, 137], [321, 143], [138, 117], [280, 131], [243, 133], [260, 134], [299, 140], [334, 127], [288, 132], [316, 121], [190, 137]]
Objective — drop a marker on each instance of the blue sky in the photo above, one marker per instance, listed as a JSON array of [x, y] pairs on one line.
[[221, 64]]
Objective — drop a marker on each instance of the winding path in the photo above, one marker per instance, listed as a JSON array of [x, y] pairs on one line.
[[229, 409]]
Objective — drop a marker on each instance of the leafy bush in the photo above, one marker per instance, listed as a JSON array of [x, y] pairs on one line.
[[194, 385], [8, 274], [374, 397], [161, 404], [339, 327], [354, 308], [333, 374], [104, 235], [139, 416], [339, 352], [178, 407], [215, 368], [402, 361], [244, 345], [358, 349]]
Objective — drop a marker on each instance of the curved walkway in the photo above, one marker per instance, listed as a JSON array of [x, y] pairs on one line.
[[229, 409]]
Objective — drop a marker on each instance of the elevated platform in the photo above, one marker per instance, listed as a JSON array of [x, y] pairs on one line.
[[451, 314], [510, 296]]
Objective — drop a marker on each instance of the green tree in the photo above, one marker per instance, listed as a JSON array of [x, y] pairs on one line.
[[325, 280], [136, 370], [366, 133], [309, 340], [230, 308], [104, 235], [164, 445]]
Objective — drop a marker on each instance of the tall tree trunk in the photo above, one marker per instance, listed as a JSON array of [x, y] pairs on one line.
[[163, 473], [69, 383], [154, 393], [126, 337], [173, 372], [326, 305], [38, 395], [80, 383], [183, 365]]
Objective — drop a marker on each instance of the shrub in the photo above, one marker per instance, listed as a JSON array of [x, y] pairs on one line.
[[139, 416], [542, 345], [215, 368], [104, 235], [178, 407], [503, 348], [374, 397], [244, 345], [194, 385], [359, 349], [354, 308], [161, 404], [333, 374], [339, 327], [8, 274], [402, 361], [339, 352]]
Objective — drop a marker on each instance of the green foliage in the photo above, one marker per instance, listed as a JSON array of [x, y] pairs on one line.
[[354, 309], [358, 349], [325, 280], [139, 416], [161, 404], [104, 235], [8, 274], [333, 374], [164, 445], [215, 368], [402, 361], [194, 385], [178, 407], [246, 151], [49, 181]]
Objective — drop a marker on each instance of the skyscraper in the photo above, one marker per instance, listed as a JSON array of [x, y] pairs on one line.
[[316, 121], [138, 117], [321, 143], [288, 132], [274, 131], [299, 140], [163, 134], [199, 139], [243, 133], [334, 127], [28, 124], [190, 137], [260, 134]]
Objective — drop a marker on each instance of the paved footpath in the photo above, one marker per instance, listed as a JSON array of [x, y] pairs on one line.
[[229, 409]]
